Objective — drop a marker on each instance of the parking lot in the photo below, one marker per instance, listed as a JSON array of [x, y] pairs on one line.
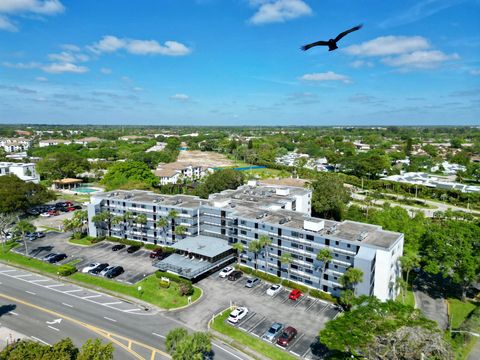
[[137, 265], [307, 315]]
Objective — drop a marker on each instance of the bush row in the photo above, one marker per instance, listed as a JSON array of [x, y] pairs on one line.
[[125, 241], [287, 283], [66, 270]]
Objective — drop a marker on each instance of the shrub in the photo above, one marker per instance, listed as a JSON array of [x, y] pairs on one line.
[[175, 278], [322, 295], [164, 284], [66, 270], [293, 285], [260, 274], [125, 241], [185, 289]]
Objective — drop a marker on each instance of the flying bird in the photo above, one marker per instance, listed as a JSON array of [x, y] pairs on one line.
[[332, 43]]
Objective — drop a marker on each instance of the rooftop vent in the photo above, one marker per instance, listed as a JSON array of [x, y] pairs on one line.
[[313, 225], [282, 191], [362, 236], [284, 220], [262, 215], [252, 183]]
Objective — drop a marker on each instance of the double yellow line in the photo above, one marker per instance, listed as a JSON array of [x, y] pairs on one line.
[[105, 333]]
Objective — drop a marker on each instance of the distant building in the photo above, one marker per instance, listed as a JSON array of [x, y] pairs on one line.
[[133, 137], [25, 171], [172, 173], [11, 145], [87, 140], [53, 142], [424, 179], [448, 169], [158, 147]]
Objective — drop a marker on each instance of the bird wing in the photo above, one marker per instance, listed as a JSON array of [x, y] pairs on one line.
[[342, 34], [318, 43]]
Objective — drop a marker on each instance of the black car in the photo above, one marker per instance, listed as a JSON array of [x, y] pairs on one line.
[[39, 234], [98, 269], [57, 258], [77, 207], [117, 247], [133, 248], [235, 275], [117, 270]]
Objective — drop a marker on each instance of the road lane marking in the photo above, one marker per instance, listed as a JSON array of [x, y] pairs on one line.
[[13, 313], [29, 292], [67, 305], [71, 291], [160, 336], [41, 280], [53, 328], [227, 351], [56, 285], [90, 297], [130, 310], [112, 303], [107, 318], [24, 275], [40, 340]]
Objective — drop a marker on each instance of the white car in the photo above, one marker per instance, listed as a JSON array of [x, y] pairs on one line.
[[237, 315], [107, 269], [226, 271], [45, 214], [89, 267], [274, 290]]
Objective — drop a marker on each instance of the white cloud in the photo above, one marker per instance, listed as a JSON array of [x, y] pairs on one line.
[[41, 78], [180, 97], [106, 71], [361, 63], [420, 59], [68, 57], [137, 89], [43, 7], [20, 7], [110, 44], [475, 72], [22, 66], [277, 11], [326, 76], [389, 45], [6, 24], [58, 68], [70, 47]]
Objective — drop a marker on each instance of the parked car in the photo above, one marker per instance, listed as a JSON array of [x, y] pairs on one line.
[[45, 214], [132, 249], [157, 253], [99, 269], [53, 212], [274, 290], [77, 207], [117, 270], [107, 269], [287, 336], [89, 267], [31, 237], [295, 294], [68, 203], [57, 258], [118, 247], [39, 234], [237, 315], [251, 282], [226, 271], [235, 275], [274, 332], [48, 256], [70, 208]]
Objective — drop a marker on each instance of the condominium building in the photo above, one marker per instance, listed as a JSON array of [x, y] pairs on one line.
[[25, 171], [12, 145], [53, 142], [251, 212], [172, 173]]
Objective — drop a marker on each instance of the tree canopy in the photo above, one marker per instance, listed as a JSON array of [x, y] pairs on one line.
[[329, 197], [183, 346], [219, 181], [61, 165], [122, 173]]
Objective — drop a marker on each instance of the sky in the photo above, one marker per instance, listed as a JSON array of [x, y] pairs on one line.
[[238, 62]]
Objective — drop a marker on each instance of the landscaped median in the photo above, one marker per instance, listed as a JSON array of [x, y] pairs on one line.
[[270, 351], [147, 290]]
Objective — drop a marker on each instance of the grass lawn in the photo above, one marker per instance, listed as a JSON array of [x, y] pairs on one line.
[[151, 291], [459, 311], [71, 197], [270, 351]]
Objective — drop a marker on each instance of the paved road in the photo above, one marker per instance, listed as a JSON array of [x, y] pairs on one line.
[[475, 353], [144, 331]]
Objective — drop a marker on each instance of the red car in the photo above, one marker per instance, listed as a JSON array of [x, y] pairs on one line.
[[68, 204], [70, 208], [156, 253], [53, 213], [287, 336], [295, 294]]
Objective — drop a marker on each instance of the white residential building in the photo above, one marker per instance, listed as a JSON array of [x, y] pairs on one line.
[[171, 173], [53, 142], [15, 144], [25, 171]]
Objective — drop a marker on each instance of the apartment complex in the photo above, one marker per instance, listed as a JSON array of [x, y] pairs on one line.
[[245, 214], [172, 173], [25, 171], [11, 145], [53, 142]]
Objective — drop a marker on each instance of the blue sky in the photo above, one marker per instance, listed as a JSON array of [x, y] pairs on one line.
[[237, 62]]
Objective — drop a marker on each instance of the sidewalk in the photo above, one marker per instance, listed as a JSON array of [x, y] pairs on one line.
[[7, 336]]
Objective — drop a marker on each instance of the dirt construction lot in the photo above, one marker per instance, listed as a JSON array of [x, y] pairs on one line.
[[203, 158], [307, 315], [137, 265]]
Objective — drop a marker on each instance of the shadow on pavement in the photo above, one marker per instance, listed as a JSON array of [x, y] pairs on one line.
[[5, 309]]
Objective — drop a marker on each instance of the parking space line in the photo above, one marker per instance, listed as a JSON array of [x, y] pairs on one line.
[[160, 336], [13, 313], [71, 291], [285, 300], [131, 310], [256, 324], [24, 275], [6, 271], [299, 301], [306, 352], [29, 292], [90, 297], [68, 305], [295, 343], [55, 285], [311, 305], [113, 303], [40, 340], [40, 280], [110, 319]]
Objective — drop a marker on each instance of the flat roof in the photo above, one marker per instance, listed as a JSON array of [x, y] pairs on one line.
[[203, 245]]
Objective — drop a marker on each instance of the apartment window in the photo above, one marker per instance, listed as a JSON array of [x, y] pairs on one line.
[[294, 234], [336, 255], [348, 257], [327, 242], [294, 245], [308, 282], [243, 232], [335, 266], [310, 260], [293, 266], [336, 242], [309, 271], [243, 242], [309, 248], [309, 237], [243, 222], [134, 205], [348, 245]]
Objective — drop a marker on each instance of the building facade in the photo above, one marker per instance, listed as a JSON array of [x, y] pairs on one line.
[[251, 212], [15, 144], [25, 171]]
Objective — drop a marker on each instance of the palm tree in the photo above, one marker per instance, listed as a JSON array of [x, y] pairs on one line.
[[23, 227], [102, 218], [409, 261], [287, 258], [351, 278], [180, 230], [238, 247], [255, 247], [265, 242], [172, 215], [141, 219], [403, 286], [325, 256], [163, 224], [6, 220]]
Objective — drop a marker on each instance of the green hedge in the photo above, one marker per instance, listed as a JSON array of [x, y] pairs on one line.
[[172, 277], [125, 241], [293, 285], [66, 270], [322, 295], [165, 249], [260, 274]]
